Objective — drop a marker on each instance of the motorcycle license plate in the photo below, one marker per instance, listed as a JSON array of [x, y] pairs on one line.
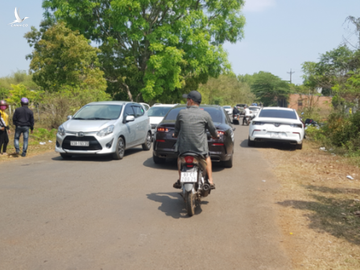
[[188, 177]]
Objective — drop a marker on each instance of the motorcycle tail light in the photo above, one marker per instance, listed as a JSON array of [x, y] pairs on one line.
[[189, 165], [220, 132], [162, 129], [218, 144], [189, 159]]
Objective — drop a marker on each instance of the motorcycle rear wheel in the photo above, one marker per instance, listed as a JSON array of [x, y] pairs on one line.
[[190, 203]]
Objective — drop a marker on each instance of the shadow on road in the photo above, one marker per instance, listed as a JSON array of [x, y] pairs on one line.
[[273, 145], [171, 164], [97, 158], [172, 204], [334, 214]]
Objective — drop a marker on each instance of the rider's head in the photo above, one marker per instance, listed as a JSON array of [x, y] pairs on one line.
[[194, 97]]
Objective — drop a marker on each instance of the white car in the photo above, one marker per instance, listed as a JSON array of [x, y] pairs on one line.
[[277, 124], [255, 110], [156, 114], [228, 109]]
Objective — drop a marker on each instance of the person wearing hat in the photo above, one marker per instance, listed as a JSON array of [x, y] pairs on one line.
[[4, 127], [23, 119], [190, 130]]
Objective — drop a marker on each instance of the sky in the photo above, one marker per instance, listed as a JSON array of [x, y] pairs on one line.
[[279, 35]]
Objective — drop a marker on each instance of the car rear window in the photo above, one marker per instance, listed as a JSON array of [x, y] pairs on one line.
[[278, 114], [158, 111], [215, 113]]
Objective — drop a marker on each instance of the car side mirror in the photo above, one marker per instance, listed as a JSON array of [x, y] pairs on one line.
[[129, 118], [69, 117]]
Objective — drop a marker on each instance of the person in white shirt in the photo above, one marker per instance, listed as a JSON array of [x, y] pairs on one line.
[[246, 114]]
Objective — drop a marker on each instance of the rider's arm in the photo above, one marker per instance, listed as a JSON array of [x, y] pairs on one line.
[[211, 128], [177, 126]]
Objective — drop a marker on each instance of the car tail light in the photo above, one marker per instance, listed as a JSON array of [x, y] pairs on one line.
[[160, 140], [189, 159], [162, 129], [296, 125]]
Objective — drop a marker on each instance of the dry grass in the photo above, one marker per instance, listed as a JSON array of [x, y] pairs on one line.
[[34, 148], [318, 207]]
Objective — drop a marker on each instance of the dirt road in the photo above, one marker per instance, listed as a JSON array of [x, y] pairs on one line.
[[97, 213]]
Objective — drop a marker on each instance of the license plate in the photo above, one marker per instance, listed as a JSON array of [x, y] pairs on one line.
[[77, 143], [188, 177], [275, 134]]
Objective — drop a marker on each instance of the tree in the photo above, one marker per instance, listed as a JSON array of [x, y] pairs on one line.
[[152, 48], [226, 90], [64, 58], [270, 89]]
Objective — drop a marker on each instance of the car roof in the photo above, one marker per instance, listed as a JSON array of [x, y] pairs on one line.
[[110, 102], [163, 105], [278, 108]]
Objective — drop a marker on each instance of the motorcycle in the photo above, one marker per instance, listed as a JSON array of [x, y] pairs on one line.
[[236, 119], [193, 179], [248, 118]]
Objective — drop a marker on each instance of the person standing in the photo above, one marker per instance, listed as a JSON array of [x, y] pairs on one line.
[[23, 120], [4, 127]]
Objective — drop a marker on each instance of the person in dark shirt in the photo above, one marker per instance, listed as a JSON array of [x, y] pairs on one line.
[[190, 129], [23, 120]]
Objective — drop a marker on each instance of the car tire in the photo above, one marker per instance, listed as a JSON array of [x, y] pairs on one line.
[[250, 143], [299, 146], [147, 145], [65, 156], [228, 163], [158, 160], [120, 149]]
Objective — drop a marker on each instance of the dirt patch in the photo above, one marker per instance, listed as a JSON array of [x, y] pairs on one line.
[[319, 206]]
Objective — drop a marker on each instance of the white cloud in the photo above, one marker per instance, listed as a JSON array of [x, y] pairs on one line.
[[258, 5]]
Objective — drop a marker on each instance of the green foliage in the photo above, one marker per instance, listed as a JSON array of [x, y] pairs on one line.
[[18, 91], [64, 58], [19, 77], [225, 90], [153, 49], [43, 134], [270, 89]]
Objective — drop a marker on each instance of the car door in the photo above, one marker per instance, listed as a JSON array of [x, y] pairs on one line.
[[142, 122], [129, 128]]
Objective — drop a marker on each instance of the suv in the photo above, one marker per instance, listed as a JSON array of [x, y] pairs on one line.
[[108, 127]]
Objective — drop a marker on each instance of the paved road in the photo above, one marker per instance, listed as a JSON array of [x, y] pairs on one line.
[[96, 213]]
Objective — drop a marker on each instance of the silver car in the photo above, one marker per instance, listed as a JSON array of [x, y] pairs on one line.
[[108, 127]]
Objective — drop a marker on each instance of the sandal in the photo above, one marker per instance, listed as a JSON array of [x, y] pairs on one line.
[[212, 186], [177, 184]]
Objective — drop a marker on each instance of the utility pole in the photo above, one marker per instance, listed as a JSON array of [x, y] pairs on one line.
[[291, 73]]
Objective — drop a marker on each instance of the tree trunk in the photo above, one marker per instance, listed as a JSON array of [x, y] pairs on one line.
[[128, 92]]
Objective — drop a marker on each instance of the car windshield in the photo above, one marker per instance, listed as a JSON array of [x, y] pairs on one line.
[[158, 111], [215, 113], [278, 114], [98, 112]]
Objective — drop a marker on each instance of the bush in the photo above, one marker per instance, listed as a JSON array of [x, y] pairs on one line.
[[42, 134]]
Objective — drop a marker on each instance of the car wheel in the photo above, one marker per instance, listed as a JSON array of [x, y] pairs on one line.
[[120, 149], [250, 143], [147, 145], [158, 160], [65, 156], [299, 146], [228, 163]]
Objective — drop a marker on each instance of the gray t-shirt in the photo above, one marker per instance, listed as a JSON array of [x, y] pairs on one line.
[[190, 130]]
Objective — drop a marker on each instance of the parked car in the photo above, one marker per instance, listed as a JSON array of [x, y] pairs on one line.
[[277, 124], [156, 114], [254, 110], [108, 127], [228, 109], [145, 105], [221, 149]]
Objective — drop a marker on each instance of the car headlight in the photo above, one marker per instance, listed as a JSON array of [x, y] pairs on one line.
[[61, 131], [106, 131]]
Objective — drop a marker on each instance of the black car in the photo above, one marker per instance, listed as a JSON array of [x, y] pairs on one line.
[[221, 150]]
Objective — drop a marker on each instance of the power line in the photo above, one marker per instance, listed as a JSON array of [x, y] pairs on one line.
[[291, 73]]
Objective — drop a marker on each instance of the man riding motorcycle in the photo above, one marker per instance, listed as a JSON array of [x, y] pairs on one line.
[[246, 114], [190, 129]]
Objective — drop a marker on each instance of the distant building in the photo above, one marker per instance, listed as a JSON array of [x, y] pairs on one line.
[[302, 101]]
